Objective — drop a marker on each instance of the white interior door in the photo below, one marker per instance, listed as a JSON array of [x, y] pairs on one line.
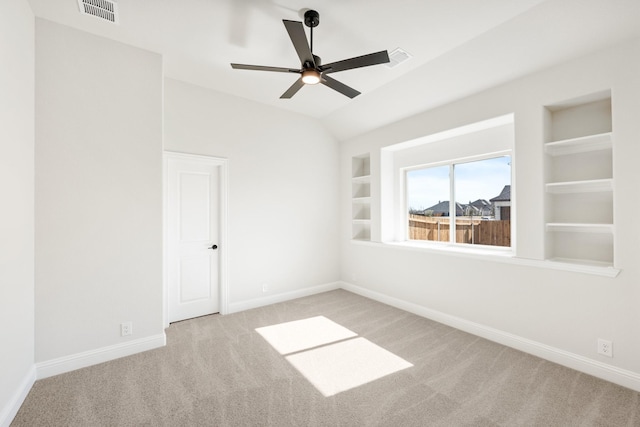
[[193, 222]]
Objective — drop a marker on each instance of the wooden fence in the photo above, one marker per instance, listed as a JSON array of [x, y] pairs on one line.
[[468, 230]]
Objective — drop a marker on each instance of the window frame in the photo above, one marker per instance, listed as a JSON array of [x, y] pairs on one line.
[[452, 223]]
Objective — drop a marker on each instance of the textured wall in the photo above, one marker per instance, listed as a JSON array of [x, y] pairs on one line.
[[566, 311], [283, 185], [98, 219], [16, 214]]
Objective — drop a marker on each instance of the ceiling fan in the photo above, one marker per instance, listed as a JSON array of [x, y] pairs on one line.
[[311, 70]]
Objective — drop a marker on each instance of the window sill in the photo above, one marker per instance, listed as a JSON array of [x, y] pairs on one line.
[[466, 250], [504, 255]]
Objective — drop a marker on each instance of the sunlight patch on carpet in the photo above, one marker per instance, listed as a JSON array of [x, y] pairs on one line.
[[303, 334], [330, 356], [339, 367]]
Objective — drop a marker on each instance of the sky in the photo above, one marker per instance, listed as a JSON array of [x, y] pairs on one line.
[[483, 179]]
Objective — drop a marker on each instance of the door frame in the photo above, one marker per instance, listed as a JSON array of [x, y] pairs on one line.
[[222, 240]]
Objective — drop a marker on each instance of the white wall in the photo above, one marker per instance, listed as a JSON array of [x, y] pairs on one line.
[[98, 193], [565, 311], [283, 187], [16, 215]]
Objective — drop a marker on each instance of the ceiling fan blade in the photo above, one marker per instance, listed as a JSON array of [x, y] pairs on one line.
[[263, 68], [381, 57], [293, 89], [299, 40], [340, 87]]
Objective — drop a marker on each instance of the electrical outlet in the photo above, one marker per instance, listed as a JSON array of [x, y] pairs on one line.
[[126, 328], [265, 287], [605, 347]]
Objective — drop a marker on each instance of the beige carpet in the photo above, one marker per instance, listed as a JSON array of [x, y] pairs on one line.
[[219, 371]]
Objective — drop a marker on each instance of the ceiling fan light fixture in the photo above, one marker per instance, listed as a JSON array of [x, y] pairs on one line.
[[311, 77]]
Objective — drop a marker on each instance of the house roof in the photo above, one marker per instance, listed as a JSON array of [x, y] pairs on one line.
[[504, 196], [479, 207], [442, 208], [480, 204]]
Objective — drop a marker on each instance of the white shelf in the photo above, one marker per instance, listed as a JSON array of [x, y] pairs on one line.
[[361, 221], [362, 179], [584, 263], [579, 228], [361, 239], [361, 232], [361, 199], [601, 141], [587, 186], [579, 187]]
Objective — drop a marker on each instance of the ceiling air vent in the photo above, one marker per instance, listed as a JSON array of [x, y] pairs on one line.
[[397, 57], [106, 10]]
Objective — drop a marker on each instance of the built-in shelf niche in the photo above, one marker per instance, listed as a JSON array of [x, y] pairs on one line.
[[362, 211], [579, 181], [580, 208], [582, 247], [361, 190], [361, 197], [574, 165]]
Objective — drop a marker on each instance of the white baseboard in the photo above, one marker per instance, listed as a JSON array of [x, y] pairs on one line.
[[93, 357], [598, 369], [281, 297], [9, 412]]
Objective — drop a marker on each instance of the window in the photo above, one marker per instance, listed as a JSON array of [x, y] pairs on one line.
[[466, 202], [451, 189]]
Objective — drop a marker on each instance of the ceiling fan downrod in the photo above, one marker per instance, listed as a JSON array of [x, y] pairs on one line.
[[311, 20]]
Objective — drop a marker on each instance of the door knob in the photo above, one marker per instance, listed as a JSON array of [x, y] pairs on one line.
[[214, 247]]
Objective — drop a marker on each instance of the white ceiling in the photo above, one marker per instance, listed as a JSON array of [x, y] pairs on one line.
[[459, 47]]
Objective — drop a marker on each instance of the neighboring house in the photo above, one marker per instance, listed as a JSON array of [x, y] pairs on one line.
[[481, 207], [502, 204], [478, 208], [442, 209]]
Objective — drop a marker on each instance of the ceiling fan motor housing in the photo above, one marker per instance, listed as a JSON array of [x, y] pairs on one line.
[[311, 18]]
